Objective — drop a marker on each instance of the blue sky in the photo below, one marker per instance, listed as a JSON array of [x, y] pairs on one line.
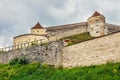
[[18, 16]]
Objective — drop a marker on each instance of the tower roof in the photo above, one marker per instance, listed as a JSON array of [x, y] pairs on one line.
[[37, 26], [95, 14]]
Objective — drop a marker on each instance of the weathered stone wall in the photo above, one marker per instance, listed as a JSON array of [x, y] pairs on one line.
[[48, 53], [57, 32], [93, 52], [29, 38], [66, 30], [63, 33]]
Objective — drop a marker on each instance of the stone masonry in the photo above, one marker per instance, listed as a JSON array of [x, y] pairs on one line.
[[93, 52], [48, 53]]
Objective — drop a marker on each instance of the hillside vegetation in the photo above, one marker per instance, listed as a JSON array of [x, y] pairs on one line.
[[37, 71], [77, 38]]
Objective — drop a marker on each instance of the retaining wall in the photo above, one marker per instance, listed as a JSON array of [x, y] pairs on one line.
[[93, 52], [48, 53]]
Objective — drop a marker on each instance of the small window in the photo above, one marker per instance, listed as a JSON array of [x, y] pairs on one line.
[[97, 31], [97, 21]]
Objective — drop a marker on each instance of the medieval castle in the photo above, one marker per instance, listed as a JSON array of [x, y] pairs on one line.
[[105, 47], [96, 25]]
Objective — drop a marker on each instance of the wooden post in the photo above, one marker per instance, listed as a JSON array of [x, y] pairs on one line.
[[8, 48], [20, 46], [41, 41], [37, 42], [28, 44], [12, 47], [24, 45], [5, 49], [2, 50]]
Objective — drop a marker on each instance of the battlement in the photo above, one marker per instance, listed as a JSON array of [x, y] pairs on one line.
[[67, 26]]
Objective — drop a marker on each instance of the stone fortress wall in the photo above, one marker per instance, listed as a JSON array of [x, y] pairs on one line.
[[58, 32], [48, 53], [28, 38], [92, 52]]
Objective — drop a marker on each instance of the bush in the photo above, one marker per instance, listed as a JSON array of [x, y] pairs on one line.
[[60, 67], [22, 60]]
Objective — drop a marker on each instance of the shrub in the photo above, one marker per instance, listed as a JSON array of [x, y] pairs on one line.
[[22, 60], [60, 67]]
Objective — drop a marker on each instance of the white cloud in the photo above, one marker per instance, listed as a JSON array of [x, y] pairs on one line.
[[17, 16], [68, 9], [2, 41]]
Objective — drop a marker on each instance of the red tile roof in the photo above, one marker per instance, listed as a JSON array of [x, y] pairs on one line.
[[37, 26], [95, 14]]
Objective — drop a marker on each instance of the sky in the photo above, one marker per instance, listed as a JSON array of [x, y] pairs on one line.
[[18, 16]]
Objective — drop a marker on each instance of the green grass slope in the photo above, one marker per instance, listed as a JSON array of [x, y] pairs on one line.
[[77, 38], [36, 71]]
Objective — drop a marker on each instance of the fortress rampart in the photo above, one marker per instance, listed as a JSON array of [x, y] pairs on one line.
[[92, 52]]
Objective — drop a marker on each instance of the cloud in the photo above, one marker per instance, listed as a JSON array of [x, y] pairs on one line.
[[67, 9], [2, 41], [18, 16]]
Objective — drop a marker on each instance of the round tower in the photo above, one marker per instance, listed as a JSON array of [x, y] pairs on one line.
[[38, 29], [96, 25]]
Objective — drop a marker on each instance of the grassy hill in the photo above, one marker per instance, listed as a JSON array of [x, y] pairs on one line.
[[37, 71], [77, 38]]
